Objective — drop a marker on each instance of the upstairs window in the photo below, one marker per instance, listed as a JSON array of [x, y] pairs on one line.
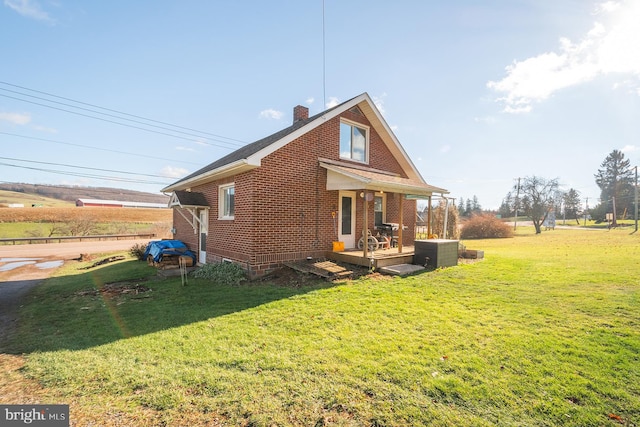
[[354, 142], [226, 201]]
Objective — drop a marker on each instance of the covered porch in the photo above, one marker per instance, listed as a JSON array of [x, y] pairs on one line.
[[362, 186]]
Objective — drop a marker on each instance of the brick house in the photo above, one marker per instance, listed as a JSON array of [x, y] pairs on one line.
[[290, 195]]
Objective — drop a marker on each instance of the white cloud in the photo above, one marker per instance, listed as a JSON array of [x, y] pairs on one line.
[[173, 172], [200, 141], [183, 148], [309, 101], [45, 129], [29, 9], [609, 48], [270, 113], [445, 148], [490, 120], [16, 118], [629, 148], [333, 101]]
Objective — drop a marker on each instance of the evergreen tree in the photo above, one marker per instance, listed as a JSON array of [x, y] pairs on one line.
[[507, 206], [475, 206], [572, 204], [615, 179]]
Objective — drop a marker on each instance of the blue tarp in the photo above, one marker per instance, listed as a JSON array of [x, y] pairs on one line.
[[158, 249]]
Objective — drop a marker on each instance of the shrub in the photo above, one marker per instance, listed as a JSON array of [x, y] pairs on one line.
[[224, 273], [485, 226], [137, 251]]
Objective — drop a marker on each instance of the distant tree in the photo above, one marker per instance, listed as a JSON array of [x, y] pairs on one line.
[[507, 207], [475, 205], [468, 208], [615, 179], [461, 206], [572, 204], [538, 198]]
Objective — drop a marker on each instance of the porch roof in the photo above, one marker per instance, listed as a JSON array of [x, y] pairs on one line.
[[188, 199], [342, 177]]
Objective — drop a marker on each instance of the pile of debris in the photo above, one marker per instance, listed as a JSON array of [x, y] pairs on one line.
[[116, 289]]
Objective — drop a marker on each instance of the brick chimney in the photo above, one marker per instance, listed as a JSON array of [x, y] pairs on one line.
[[300, 113]]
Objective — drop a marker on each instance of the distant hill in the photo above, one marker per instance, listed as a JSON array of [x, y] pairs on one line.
[[71, 193]]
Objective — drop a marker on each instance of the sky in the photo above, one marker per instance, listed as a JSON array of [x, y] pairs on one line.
[[138, 94]]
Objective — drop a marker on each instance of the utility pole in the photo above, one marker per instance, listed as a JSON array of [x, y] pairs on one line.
[[614, 223], [446, 216], [586, 212], [635, 192], [515, 220]]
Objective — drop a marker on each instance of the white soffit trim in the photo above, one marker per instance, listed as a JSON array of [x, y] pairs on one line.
[[341, 178]]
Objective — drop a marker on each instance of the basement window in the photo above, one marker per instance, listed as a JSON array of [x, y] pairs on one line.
[[354, 142], [226, 201]]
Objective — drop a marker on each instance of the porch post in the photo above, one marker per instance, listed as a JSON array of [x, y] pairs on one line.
[[365, 227], [429, 218], [400, 226]]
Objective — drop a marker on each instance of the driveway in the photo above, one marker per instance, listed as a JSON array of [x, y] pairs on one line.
[[23, 267]]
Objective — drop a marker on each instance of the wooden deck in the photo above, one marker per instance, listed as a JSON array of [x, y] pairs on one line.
[[379, 258]]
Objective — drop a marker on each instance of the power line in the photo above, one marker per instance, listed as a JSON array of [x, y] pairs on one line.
[[123, 113], [83, 167], [146, 156], [115, 122], [108, 178], [200, 137]]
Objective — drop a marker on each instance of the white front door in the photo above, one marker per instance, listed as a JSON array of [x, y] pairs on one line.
[[203, 230], [347, 218]]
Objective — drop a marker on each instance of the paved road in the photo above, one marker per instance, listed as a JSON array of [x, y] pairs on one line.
[[33, 263]]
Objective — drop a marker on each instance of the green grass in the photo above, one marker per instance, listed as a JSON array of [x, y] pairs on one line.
[[544, 331]]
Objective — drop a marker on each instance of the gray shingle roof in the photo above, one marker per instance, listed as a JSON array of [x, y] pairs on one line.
[[188, 198]]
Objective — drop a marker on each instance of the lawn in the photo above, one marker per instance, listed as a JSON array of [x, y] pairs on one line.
[[544, 331]]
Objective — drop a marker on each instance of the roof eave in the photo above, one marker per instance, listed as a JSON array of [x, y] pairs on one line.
[[235, 168]]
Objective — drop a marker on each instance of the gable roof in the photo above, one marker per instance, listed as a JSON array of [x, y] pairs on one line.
[[250, 156]]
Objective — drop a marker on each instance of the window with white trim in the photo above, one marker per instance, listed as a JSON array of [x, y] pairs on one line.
[[354, 142], [379, 208], [226, 201]]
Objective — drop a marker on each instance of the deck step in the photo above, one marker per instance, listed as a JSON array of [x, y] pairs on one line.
[[326, 269], [401, 269]]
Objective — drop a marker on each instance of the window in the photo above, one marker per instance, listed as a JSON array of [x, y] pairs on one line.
[[379, 205], [354, 141], [226, 201]]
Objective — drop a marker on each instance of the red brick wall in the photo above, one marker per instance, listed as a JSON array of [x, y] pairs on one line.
[[184, 231], [283, 210]]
